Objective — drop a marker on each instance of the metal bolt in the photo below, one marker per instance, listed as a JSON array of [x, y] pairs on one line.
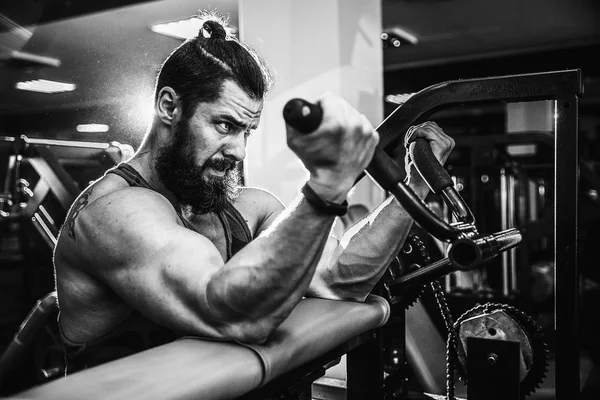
[[492, 358]]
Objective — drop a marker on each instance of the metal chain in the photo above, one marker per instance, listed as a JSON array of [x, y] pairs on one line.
[[455, 353], [451, 344]]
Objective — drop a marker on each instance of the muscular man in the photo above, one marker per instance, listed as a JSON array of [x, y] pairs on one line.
[[167, 244]]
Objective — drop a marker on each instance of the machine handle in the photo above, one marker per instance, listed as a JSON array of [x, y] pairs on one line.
[[306, 117], [429, 167], [302, 115], [438, 180]]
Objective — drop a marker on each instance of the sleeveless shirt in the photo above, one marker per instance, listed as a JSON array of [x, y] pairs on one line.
[[136, 332]]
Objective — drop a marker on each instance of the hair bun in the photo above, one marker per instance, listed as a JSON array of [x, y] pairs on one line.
[[214, 29]]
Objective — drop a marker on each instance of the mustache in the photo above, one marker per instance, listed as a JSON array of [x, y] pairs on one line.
[[221, 164]]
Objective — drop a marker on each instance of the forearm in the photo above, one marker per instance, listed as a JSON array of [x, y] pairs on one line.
[[352, 269], [265, 280]]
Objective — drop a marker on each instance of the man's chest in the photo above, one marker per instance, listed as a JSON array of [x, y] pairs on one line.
[[213, 227]]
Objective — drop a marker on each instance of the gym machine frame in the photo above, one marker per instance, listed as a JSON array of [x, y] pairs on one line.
[[468, 248], [44, 156], [564, 88]]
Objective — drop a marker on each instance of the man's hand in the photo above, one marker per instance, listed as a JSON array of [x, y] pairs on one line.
[[338, 151], [441, 146]]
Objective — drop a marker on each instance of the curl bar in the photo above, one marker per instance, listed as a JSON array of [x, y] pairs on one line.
[[468, 248], [564, 87]]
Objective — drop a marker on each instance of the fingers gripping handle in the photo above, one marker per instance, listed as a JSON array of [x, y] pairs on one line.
[[429, 167], [303, 116], [306, 117], [438, 180], [382, 168]]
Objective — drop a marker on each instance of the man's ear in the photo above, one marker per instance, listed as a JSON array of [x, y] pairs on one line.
[[166, 105]]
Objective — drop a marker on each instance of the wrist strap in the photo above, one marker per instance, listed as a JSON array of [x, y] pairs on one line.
[[323, 205]]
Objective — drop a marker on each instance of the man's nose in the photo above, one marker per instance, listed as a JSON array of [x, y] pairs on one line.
[[236, 148]]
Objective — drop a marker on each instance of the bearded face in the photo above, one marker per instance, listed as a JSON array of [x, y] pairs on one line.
[[202, 192]]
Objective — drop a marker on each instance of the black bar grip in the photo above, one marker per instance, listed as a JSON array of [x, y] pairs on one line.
[[429, 167], [303, 116], [382, 168]]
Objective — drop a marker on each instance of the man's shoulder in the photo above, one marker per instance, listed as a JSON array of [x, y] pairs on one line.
[[258, 206], [112, 218], [104, 208], [108, 192], [251, 193], [257, 200]]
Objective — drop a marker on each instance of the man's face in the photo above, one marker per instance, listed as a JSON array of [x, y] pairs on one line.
[[199, 165]]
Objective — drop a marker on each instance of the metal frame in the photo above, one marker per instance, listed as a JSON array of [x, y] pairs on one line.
[[565, 88], [46, 157]]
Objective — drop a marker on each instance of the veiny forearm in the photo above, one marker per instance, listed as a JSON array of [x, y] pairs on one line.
[[364, 253], [264, 281]]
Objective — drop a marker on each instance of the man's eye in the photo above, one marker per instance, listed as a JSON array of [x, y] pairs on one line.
[[226, 126], [248, 133]]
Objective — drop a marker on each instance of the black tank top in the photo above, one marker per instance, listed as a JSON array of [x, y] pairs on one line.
[[136, 332]]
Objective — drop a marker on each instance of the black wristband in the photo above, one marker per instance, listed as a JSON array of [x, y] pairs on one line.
[[323, 205]]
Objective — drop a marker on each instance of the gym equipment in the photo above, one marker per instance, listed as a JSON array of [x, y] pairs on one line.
[[319, 331], [42, 171], [30, 327], [467, 250], [564, 88], [508, 188], [316, 333]]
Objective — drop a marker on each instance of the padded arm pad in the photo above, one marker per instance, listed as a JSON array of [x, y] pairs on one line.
[[201, 368]]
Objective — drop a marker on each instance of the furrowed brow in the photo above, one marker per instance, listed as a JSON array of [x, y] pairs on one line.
[[232, 120]]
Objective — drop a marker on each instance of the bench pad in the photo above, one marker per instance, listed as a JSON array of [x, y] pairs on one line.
[[199, 368]]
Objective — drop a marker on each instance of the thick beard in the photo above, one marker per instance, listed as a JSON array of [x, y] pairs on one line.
[[202, 194]]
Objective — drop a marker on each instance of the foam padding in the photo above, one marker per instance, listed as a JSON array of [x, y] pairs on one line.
[[315, 327], [197, 368]]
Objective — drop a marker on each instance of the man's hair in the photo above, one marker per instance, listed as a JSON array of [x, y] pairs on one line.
[[197, 69]]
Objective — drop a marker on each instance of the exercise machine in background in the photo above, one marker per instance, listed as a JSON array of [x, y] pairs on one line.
[[43, 177]]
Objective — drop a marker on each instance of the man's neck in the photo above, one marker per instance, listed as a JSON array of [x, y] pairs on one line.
[[144, 163]]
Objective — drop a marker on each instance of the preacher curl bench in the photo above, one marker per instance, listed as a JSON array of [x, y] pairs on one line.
[[319, 332]]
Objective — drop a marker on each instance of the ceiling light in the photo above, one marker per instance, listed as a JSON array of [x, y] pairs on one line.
[[184, 29], [34, 58], [92, 128], [45, 86]]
